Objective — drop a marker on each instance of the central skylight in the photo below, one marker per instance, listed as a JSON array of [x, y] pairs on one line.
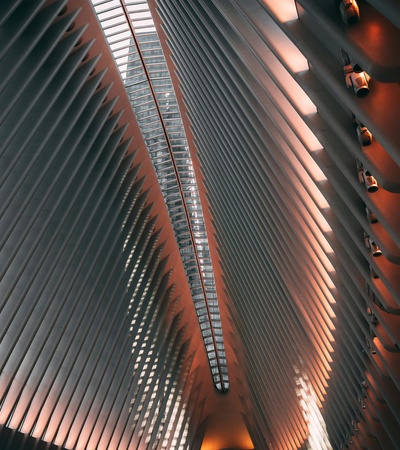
[[131, 34]]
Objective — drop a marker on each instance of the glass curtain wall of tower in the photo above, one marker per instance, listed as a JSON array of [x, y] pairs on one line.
[[131, 34]]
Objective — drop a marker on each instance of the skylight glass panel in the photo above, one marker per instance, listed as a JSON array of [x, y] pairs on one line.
[[133, 39]]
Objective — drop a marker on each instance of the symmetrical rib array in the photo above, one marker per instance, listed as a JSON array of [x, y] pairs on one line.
[[131, 35], [293, 106], [277, 94]]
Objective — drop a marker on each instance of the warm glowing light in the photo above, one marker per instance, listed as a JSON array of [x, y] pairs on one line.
[[374, 29], [324, 227], [311, 141], [316, 173], [226, 430], [324, 243], [288, 60], [295, 94], [330, 297], [283, 10], [329, 281], [283, 47], [297, 124]]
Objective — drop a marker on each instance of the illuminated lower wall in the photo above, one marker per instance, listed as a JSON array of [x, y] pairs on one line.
[[273, 122]]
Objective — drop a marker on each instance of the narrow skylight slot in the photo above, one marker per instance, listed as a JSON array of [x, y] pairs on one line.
[[132, 37]]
